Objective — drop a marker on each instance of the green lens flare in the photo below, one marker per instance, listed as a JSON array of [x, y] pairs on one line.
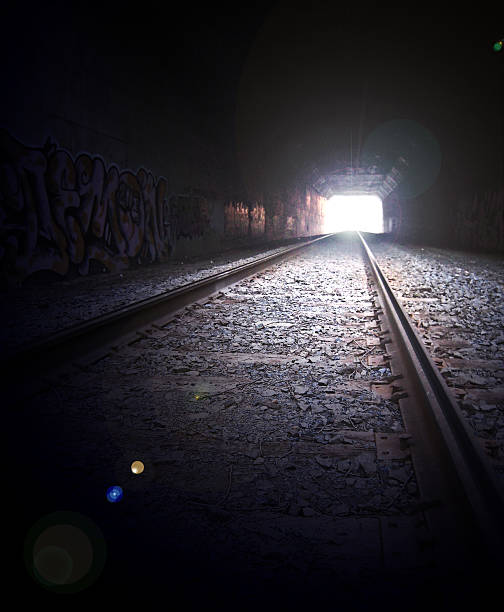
[[497, 46]]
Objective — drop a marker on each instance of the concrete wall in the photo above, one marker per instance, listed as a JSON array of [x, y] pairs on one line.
[[110, 157], [73, 214], [60, 212], [296, 211], [449, 215], [478, 220]]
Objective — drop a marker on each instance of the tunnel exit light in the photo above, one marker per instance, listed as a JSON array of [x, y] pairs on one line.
[[353, 213]]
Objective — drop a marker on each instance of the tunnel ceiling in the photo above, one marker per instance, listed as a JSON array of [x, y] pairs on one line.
[[345, 181], [290, 90], [356, 181], [367, 102]]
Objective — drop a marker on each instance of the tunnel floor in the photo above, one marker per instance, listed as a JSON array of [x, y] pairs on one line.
[[46, 304], [269, 478]]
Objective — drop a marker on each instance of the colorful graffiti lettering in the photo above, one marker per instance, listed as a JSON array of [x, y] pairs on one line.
[[190, 215], [74, 215], [59, 213]]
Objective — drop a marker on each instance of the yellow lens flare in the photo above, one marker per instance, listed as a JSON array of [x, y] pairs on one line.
[[137, 467], [199, 395]]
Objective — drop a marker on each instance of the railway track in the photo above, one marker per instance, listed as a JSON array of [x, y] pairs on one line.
[[126, 324], [300, 436], [442, 438]]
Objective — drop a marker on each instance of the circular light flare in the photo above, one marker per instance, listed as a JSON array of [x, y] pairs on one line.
[[498, 45], [137, 467], [114, 494], [53, 565], [64, 552]]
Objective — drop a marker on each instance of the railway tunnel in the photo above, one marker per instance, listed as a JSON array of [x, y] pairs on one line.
[[148, 154]]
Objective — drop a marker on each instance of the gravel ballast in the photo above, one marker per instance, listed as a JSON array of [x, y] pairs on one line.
[[270, 428], [43, 307], [456, 301], [273, 462]]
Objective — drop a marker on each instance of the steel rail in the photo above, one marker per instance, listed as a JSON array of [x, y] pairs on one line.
[[73, 342], [474, 485]]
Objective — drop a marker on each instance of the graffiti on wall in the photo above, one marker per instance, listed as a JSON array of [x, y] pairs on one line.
[[479, 221], [190, 216], [236, 219], [257, 220], [61, 213], [311, 212], [294, 213], [242, 219]]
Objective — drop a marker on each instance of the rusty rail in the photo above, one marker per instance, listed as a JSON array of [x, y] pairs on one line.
[[122, 324], [454, 474]]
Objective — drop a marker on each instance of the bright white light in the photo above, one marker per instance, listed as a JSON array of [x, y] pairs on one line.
[[353, 213]]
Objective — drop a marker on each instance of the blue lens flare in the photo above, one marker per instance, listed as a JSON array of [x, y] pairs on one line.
[[114, 494]]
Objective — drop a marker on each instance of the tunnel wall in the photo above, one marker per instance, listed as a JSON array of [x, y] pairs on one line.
[[75, 213], [478, 221], [108, 162], [444, 216], [295, 212]]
